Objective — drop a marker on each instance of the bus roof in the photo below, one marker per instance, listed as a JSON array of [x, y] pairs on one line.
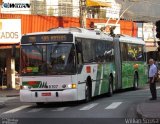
[[77, 32], [129, 39]]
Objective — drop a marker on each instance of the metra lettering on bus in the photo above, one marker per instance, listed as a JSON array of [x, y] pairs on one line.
[[7, 35]]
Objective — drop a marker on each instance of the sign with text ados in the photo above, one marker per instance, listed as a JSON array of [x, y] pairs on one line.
[[10, 31]]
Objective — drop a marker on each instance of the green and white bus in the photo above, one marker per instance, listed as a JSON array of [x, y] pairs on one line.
[[73, 64]]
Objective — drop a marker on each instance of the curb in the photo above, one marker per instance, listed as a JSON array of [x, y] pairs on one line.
[[146, 118], [139, 112], [12, 95], [2, 104]]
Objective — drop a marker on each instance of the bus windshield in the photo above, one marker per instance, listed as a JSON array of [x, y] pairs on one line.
[[48, 59]]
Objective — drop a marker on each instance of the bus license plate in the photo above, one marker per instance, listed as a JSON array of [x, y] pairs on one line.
[[46, 94]]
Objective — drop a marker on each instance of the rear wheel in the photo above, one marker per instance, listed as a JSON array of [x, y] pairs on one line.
[[135, 84], [110, 86]]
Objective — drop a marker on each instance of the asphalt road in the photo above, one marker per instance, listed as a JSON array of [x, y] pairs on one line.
[[101, 110]]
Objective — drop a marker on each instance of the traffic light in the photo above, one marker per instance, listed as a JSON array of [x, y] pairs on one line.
[[158, 29]]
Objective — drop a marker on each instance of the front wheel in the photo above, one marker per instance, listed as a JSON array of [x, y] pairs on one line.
[[87, 93]]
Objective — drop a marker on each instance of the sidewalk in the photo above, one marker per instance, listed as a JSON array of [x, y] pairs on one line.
[[7, 93], [149, 109]]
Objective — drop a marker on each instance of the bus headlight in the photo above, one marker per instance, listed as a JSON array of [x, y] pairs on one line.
[[73, 86], [25, 87]]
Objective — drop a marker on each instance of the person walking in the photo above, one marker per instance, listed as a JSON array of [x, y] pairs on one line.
[[152, 79]]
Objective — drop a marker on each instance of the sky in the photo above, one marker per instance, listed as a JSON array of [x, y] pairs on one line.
[[141, 10]]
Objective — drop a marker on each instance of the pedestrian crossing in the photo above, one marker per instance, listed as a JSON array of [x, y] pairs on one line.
[[113, 105], [60, 109], [17, 109], [35, 110], [89, 106]]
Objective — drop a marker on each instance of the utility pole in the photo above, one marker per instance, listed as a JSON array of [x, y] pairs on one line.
[[82, 18]]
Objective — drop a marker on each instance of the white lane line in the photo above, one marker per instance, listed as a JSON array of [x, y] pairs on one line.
[[113, 105], [17, 109], [60, 109], [35, 110], [90, 106]]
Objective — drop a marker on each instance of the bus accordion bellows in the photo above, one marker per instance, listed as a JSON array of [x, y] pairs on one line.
[[73, 64]]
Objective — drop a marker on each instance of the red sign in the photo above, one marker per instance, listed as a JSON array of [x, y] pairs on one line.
[[46, 94]]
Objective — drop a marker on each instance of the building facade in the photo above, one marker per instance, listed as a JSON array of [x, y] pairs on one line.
[[70, 8]]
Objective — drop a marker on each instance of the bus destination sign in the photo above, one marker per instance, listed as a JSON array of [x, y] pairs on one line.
[[46, 38]]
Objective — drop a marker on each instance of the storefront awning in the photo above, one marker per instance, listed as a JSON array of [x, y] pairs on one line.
[[148, 49], [9, 46], [96, 3]]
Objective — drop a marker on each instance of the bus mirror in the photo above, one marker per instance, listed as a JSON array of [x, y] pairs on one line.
[[112, 52], [79, 47]]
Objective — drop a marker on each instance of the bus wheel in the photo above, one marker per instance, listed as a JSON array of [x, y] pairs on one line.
[[87, 93], [135, 84], [110, 90], [40, 103]]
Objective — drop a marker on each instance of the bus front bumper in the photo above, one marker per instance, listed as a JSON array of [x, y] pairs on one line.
[[48, 96]]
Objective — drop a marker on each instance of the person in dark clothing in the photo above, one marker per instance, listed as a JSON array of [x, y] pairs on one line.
[[1, 76], [152, 79]]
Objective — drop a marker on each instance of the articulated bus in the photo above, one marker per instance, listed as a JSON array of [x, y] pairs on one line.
[[73, 64]]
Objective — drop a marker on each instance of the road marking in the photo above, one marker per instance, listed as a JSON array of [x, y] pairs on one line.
[[7, 98], [89, 106], [35, 110], [17, 109], [113, 105], [60, 109]]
